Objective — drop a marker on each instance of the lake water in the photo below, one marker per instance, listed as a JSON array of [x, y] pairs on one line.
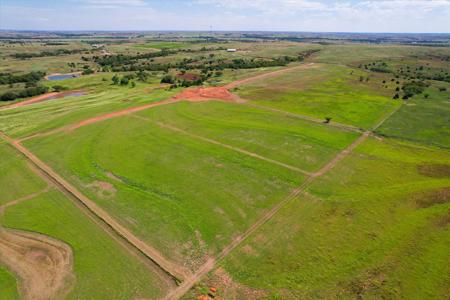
[[62, 76]]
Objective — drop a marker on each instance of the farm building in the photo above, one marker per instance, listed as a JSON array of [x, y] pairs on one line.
[[231, 50]]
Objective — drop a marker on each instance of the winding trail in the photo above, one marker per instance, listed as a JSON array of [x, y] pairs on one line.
[[43, 264]]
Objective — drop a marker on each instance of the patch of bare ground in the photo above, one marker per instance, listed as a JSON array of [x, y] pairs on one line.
[[370, 284], [103, 189], [43, 265], [443, 221], [434, 170], [221, 286], [436, 197], [201, 94], [40, 98]]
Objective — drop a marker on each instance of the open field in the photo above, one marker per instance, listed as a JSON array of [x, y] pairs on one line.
[[227, 190], [322, 91], [16, 180], [353, 233], [293, 168], [296, 142], [423, 119], [102, 268]]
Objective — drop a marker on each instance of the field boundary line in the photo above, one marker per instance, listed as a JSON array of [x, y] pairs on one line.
[[305, 118], [173, 270], [186, 285], [173, 99], [24, 198], [239, 82], [214, 142]]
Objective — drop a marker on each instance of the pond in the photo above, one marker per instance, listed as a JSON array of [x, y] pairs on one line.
[[62, 76]]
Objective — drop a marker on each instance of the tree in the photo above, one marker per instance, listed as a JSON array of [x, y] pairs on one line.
[[327, 120], [124, 81], [133, 84], [115, 79]]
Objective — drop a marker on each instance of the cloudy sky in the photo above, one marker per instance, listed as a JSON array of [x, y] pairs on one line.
[[275, 15]]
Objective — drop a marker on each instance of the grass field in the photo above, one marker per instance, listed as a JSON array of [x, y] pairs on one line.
[[354, 234], [296, 142], [214, 186], [423, 119], [322, 91], [8, 285], [146, 189], [100, 98], [102, 268], [16, 179]]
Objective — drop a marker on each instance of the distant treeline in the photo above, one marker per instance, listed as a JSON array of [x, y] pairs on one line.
[[25, 93], [124, 63], [57, 52], [32, 77]]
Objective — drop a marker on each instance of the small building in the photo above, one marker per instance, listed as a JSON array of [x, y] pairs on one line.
[[231, 50]]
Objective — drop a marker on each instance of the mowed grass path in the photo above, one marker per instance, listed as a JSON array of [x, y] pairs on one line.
[[186, 197], [103, 269], [296, 142], [376, 226], [322, 91]]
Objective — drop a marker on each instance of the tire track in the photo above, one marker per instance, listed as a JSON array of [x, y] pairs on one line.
[[186, 285], [236, 149]]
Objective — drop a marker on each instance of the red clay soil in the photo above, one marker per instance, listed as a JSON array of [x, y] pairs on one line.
[[32, 100], [40, 98], [204, 94]]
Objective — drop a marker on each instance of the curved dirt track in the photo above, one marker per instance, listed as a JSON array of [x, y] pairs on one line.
[[42, 264], [30, 101], [267, 75]]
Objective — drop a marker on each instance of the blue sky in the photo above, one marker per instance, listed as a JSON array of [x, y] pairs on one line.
[[276, 15]]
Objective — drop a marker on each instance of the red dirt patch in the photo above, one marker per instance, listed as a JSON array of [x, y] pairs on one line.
[[204, 94], [40, 98]]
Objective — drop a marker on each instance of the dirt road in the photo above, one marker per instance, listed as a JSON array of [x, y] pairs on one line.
[[30, 101], [186, 285], [171, 268], [44, 265]]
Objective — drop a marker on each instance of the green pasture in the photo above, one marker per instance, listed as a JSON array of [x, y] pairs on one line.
[[323, 91], [16, 178], [8, 285], [103, 269], [188, 198], [289, 140], [421, 119], [375, 227], [98, 100]]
